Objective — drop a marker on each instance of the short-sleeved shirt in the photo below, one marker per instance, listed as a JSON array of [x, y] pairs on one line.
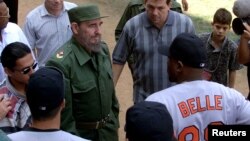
[[143, 41], [196, 104], [134, 8], [220, 60], [46, 32]]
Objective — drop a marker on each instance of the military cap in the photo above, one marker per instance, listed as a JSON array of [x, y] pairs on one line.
[[84, 13]]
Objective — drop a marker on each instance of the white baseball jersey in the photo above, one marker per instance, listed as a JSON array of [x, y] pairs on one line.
[[196, 104], [43, 135]]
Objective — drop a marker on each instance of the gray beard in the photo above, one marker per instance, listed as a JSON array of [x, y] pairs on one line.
[[96, 48]]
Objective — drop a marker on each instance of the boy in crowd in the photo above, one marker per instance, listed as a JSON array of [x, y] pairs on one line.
[[221, 51]]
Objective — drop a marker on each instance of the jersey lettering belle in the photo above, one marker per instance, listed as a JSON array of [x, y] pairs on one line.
[[194, 105]]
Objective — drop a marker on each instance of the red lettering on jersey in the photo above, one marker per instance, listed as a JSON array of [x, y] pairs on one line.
[[184, 109], [191, 105], [194, 105], [208, 104], [199, 108], [217, 99]]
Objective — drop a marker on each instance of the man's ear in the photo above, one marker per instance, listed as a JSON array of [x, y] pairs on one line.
[[74, 27], [8, 71], [63, 104], [179, 66]]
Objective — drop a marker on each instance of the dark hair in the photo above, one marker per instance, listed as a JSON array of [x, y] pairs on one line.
[[167, 1], [222, 16], [12, 52]]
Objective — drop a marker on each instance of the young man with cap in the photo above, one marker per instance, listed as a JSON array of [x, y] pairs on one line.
[[149, 121], [47, 28], [142, 37], [19, 64], [45, 97], [92, 108], [195, 103]]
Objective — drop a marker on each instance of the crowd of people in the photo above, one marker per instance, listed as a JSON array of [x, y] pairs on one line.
[[58, 76]]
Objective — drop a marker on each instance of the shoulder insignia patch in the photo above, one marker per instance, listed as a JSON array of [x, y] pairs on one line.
[[59, 54]]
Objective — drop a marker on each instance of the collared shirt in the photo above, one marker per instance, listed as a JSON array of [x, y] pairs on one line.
[[143, 41], [220, 60], [11, 33], [19, 116], [134, 8], [46, 32], [89, 90]]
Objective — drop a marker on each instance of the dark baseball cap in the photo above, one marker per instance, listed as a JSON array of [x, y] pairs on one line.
[[45, 90], [149, 121], [189, 49]]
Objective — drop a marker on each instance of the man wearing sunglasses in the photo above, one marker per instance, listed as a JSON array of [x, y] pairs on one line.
[[19, 64], [9, 33]]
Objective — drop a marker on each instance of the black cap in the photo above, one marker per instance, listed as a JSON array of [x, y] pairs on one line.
[[149, 121], [189, 49], [45, 90]]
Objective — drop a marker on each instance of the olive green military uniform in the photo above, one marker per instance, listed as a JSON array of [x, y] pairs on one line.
[[92, 108], [135, 7]]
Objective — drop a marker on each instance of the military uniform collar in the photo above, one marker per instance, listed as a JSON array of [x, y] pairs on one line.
[[81, 54]]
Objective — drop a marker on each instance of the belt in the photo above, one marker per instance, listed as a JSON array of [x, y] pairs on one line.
[[93, 125]]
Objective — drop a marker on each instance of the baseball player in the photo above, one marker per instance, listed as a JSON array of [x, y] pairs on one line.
[[194, 103]]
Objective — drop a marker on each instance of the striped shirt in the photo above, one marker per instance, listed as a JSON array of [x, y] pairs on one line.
[[220, 60], [46, 32], [142, 40], [19, 116]]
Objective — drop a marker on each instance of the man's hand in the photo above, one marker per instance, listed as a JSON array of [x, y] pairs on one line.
[[246, 34], [5, 106], [184, 5]]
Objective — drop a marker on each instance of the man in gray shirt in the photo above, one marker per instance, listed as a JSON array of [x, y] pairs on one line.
[[141, 38]]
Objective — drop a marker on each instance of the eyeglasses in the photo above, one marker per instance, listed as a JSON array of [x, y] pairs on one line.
[[28, 69]]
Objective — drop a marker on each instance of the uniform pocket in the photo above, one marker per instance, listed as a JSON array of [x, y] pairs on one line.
[[83, 87]]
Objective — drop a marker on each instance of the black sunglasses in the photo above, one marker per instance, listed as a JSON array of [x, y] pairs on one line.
[[28, 69]]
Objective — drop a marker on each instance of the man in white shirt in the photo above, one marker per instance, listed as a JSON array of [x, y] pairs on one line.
[[47, 28], [195, 103], [10, 32]]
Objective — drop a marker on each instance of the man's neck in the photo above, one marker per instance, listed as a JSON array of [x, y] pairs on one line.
[[53, 123], [216, 42]]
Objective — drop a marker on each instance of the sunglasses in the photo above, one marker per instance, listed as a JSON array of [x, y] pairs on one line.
[[28, 69]]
